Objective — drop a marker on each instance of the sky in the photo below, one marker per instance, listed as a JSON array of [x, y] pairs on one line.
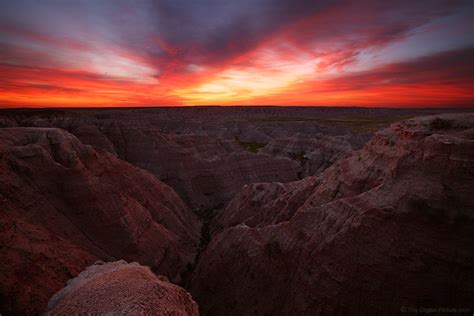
[[57, 53]]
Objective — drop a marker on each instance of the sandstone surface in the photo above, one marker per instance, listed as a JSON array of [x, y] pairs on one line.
[[118, 288], [389, 227], [65, 204], [367, 230], [208, 154]]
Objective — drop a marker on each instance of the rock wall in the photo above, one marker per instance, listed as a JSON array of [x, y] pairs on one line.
[[370, 232], [65, 204], [390, 227], [205, 159]]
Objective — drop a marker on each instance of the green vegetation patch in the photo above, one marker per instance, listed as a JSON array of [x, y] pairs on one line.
[[253, 147], [364, 124], [439, 123], [355, 123]]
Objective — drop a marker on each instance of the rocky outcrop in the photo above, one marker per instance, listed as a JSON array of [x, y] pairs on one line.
[[207, 155], [65, 204], [206, 172], [313, 153], [388, 228], [118, 288], [206, 168], [262, 204]]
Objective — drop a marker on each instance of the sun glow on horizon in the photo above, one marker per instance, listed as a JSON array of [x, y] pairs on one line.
[[395, 55]]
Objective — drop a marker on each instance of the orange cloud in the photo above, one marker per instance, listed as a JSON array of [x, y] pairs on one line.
[[316, 55]]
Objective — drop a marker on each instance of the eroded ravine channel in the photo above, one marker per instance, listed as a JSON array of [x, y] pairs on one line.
[[206, 216]]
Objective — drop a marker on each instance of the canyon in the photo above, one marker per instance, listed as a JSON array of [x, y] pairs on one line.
[[258, 210]]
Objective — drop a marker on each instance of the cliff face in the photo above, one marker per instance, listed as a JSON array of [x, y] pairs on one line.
[[205, 168], [119, 288], [206, 171], [66, 204], [391, 226], [206, 159], [315, 153]]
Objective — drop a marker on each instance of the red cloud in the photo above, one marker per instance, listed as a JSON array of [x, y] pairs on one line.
[[285, 52]]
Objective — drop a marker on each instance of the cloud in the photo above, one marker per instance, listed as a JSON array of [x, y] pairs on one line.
[[179, 50], [441, 79], [451, 68]]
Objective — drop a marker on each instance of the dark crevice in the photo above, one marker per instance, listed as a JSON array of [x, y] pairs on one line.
[[205, 216]]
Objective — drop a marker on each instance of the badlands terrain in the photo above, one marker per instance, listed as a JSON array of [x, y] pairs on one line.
[[236, 210]]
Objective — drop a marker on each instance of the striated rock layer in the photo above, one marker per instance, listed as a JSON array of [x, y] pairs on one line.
[[118, 288], [315, 153], [205, 169], [391, 226], [65, 204], [206, 155]]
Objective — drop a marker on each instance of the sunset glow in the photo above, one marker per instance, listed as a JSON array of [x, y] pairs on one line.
[[278, 52]]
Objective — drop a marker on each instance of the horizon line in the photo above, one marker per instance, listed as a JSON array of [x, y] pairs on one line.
[[3, 107]]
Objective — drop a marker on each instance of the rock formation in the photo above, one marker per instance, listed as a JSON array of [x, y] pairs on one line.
[[370, 230], [208, 154], [65, 204], [392, 226], [314, 153], [118, 288]]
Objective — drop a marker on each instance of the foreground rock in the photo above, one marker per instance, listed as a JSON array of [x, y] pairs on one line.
[[123, 289], [65, 204], [391, 226]]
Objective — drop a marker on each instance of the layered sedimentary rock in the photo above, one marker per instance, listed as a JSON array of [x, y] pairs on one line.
[[390, 227], [206, 168], [208, 154], [262, 204], [118, 288], [65, 204], [314, 153], [206, 172]]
